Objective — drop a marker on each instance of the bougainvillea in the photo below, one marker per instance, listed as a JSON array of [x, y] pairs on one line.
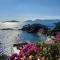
[[58, 36], [27, 50], [14, 57]]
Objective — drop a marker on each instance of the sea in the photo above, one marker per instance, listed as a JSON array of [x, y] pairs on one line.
[[10, 37]]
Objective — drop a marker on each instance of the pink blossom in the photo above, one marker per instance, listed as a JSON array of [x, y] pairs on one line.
[[14, 57], [26, 50], [58, 36]]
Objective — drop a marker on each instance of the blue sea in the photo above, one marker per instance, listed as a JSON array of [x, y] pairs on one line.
[[10, 37]]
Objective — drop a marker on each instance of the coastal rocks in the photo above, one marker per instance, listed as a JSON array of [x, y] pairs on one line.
[[34, 28]]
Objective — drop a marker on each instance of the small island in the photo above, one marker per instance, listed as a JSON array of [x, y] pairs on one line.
[[34, 28]]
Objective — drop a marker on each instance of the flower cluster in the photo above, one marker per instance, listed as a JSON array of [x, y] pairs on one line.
[[27, 50], [14, 57], [58, 36]]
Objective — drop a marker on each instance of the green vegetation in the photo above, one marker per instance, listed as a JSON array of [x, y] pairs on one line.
[[45, 51], [3, 57], [55, 29], [34, 28], [50, 51]]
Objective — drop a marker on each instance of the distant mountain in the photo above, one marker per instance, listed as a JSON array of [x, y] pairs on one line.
[[18, 25], [28, 21], [49, 23], [12, 21]]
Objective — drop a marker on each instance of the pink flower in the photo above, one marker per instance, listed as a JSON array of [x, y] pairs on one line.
[[26, 50], [14, 57], [58, 36]]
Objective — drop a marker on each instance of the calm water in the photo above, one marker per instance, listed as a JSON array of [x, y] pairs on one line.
[[10, 37]]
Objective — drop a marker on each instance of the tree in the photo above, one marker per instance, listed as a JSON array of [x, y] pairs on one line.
[[56, 28], [34, 28]]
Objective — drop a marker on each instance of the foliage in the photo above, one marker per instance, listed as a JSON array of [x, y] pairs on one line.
[[55, 29], [48, 51], [34, 28], [3, 57], [27, 50]]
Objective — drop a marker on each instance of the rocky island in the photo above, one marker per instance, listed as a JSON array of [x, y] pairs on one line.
[[34, 28]]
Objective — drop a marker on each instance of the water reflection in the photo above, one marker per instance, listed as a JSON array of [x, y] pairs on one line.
[[7, 39], [29, 37], [10, 37]]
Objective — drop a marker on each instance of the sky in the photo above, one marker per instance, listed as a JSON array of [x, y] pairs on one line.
[[29, 9]]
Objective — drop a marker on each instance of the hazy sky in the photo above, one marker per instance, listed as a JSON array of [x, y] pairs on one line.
[[29, 9]]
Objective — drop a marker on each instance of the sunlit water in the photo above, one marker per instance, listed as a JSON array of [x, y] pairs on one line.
[[10, 37]]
